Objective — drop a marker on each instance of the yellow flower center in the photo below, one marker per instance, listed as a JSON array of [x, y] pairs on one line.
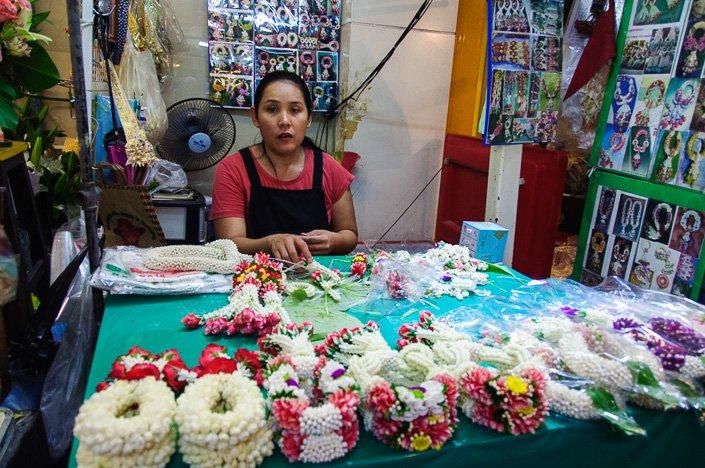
[[527, 411], [516, 385], [420, 442]]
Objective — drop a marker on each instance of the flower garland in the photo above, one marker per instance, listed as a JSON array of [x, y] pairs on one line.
[[254, 306], [127, 424], [139, 363], [406, 404], [221, 419], [315, 420], [512, 402], [677, 346], [509, 403], [220, 256]]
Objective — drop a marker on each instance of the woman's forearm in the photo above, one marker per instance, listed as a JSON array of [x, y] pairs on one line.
[[344, 242], [252, 246]]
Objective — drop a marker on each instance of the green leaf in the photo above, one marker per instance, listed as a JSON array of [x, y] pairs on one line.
[[607, 408], [8, 115], [500, 269], [36, 155], [649, 385], [695, 400], [7, 91], [38, 18], [298, 295], [36, 72]]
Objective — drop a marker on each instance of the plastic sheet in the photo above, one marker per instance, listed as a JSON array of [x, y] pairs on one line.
[[138, 76], [579, 113], [165, 176], [65, 381], [121, 272]]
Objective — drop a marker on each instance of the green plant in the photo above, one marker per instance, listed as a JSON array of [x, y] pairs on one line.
[[25, 66]]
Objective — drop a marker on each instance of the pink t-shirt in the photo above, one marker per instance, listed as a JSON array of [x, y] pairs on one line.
[[231, 186]]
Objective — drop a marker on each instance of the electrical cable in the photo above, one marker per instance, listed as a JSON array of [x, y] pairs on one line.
[[408, 207], [354, 95]]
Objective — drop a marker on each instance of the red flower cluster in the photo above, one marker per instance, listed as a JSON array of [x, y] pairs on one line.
[[139, 364], [265, 274], [509, 403], [358, 267]]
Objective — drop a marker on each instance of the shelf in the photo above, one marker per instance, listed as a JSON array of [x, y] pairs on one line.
[[10, 151]]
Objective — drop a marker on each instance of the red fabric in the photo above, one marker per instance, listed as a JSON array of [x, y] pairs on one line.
[[231, 186], [600, 48]]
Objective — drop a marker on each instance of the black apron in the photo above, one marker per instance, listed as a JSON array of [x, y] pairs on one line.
[[279, 211]]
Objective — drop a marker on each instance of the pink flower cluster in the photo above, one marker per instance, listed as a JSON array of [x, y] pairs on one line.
[[423, 433], [408, 332], [515, 404], [287, 411], [396, 285]]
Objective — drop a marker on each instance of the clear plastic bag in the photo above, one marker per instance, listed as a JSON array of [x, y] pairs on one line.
[[65, 381], [121, 271], [138, 76], [165, 176]]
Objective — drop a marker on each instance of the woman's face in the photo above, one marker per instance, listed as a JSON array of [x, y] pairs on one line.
[[282, 117]]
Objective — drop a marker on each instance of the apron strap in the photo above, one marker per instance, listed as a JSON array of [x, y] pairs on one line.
[[317, 170], [250, 166]]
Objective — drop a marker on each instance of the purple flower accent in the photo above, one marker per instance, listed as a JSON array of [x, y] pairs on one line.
[[692, 342], [337, 373], [420, 388], [569, 311], [292, 383], [446, 278], [625, 323]]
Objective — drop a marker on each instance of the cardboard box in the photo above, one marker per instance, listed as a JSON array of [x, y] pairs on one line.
[[485, 240]]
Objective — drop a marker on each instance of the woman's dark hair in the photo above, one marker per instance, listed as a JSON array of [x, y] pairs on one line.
[[297, 81]]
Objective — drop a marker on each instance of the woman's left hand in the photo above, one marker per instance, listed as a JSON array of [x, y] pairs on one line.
[[320, 241]]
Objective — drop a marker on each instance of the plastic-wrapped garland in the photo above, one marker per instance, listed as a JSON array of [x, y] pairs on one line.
[[130, 423], [315, 419]]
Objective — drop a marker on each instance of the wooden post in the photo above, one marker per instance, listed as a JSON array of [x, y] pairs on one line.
[[503, 191]]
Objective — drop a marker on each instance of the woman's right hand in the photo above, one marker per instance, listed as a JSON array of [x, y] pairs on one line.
[[288, 247]]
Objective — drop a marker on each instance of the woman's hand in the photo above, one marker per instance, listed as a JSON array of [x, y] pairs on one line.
[[319, 241], [288, 247]]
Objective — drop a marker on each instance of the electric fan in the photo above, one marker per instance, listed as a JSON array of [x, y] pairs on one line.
[[201, 133]]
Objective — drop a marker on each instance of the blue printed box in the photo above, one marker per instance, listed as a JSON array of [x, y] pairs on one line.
[[485, 240]]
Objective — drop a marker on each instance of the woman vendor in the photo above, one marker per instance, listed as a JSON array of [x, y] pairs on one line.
[[284, 195]]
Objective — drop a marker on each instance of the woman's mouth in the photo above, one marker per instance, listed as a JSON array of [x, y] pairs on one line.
[[285, 136]]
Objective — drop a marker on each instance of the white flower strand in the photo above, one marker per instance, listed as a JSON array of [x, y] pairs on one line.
[[220, 256], [238, 436], [106, 431]]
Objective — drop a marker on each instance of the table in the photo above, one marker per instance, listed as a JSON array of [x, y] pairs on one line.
[[673, 438]]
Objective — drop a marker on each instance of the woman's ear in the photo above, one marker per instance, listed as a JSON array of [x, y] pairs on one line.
[[253, 117], [310, 118]]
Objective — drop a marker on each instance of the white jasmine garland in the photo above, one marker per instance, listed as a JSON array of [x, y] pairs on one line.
[[130, 421], [570, 402], [317, 448], [220, 256], [221, 420], [247, 297], [307, 288]]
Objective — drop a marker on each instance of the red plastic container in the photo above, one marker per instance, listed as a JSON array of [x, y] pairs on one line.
[[464, 191]]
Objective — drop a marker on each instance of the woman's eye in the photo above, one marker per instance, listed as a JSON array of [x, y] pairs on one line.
[[272, 109]]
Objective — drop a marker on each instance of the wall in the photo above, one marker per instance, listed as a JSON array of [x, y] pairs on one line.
[[401, 136], [402, 116]]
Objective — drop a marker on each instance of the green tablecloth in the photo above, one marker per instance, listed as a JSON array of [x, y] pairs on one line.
[[673, 438]]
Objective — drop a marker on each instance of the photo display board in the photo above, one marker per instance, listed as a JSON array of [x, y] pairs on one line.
[[524, 70], [652, 123], [249, 39], [649, 235]]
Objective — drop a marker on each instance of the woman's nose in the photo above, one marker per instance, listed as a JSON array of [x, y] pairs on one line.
[[284, 120]]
